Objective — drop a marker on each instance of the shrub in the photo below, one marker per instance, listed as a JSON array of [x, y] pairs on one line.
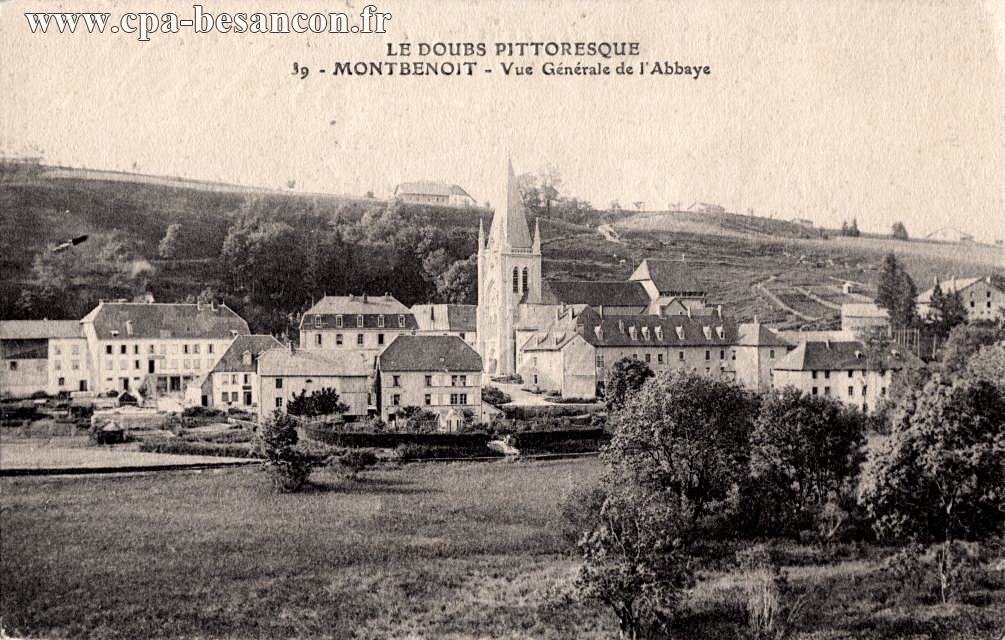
[[202, 412], [108, 433], [178, 446], [356, 460], [495, 396], [111, 393], [772, 606], [321, 402], [127, 399], [624, 378], [39, 395], [287, 467], [560, 441]]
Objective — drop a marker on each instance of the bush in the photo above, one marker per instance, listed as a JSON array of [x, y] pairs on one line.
[[108, 433], [111, 393], [549, 411], [287, 466], [495, 396], [178, 446], [202, 412], [39, 395], [322, 402], [560, 441], [356, 460]]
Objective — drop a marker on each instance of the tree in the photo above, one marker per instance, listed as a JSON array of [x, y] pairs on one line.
[[287, 466], [947, 311], [459, 283], [321, 402], [853, 229], [940, 476], [686, 434], [896, 293], [625, 377], [635, 558], [803, 450], [168, 247], [966, 339], [988, 364], [538, 191], [899, 231]]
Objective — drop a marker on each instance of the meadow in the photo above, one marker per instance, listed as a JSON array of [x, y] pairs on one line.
[[461, 550]]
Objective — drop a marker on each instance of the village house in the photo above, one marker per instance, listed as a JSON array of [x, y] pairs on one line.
[[233, 382], [355, 322], [981, 298], [671, 287], [842, 371], [862, 316], [459, 320], [47, 356], [286, 372], [438, 193], [161, 347], [439, 374]]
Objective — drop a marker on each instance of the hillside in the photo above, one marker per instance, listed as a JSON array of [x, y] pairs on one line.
[[776, 270]]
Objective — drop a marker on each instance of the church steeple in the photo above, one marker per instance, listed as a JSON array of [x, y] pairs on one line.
[[536, 247], [509, 225]]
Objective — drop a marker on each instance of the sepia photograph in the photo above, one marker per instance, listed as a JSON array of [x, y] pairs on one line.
[[466, 320]]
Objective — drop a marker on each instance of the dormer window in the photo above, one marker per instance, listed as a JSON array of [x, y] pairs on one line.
[[317, 322], [599, 331], [359, 320], [380, 321], [680, 332], [721, 332], [338, 321], [708, 332], [401, 321], [645, 333], [631, 332], [659, 333], [621, 326], [246, 358]]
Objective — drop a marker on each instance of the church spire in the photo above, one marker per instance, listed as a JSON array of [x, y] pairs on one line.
[[509, 225], [536, 247]]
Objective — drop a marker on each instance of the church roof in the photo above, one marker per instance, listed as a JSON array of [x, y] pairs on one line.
[[600, 294], [671, 277], [509, 224]]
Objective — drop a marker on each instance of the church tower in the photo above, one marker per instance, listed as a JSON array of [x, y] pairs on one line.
[[509, 274]]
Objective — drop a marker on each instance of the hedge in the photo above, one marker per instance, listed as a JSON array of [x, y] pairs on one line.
[[550, 411], [560, 441], [391, 440], [409, 451], [184, 447]]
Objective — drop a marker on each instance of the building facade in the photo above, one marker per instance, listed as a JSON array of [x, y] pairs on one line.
[[436, 193], [459, 320], [354, 323], [233, 382], [981, 298], [286, 372], [48, 356], [439, 374]]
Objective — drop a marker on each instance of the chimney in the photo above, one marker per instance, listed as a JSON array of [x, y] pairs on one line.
[[387, 296], [718, 310], [364, 298], [129, 327]]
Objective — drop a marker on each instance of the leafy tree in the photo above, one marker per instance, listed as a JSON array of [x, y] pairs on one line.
[[989, 364], [947, 311], [168, 247], [686, 434], [356, 460], [853, 229], [940, 476], [896, 293], [321, 402], [625, 378], [635, 558], [899, 231], [288, 466], [966, 339], [803, 450], [459, 283]]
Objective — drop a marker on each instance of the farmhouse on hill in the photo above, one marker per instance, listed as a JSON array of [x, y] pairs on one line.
[[439, 193]]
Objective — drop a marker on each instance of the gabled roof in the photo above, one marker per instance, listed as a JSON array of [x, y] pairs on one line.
[[949, 286], [446, 317], [429, 353], [863, 310], [755, 334], [305, 363], [232, 359], [842, 356], [429, 188], [671, 277], [40, 329], [158, 320], [673, 331], [599, 294]]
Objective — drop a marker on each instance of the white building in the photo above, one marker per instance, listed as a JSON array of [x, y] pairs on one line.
[[286, 372], [233, 382], [439, 374], [858, 316], [162, 346], [842, 371], [352, 323], [43, 355], [459, 320], [437, 193], [981, 298]]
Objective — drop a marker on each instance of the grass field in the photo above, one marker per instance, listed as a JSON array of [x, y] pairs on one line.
[[423, 551]]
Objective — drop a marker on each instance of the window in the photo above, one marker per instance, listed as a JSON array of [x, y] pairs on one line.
[[380, 321], [223, 396], [429, 380], [279, 383], [600, 361], [124, 349], [187, 363], [464, 398], [317, 339], [338, 321], [649, 358], [680, 355], [184, 348], [338, 339], [851, 391], [359, 339], [123, 365], [516, 280], [427, 399], [827, 375], [850, 372], [62, 381], [659, 358], [401, 321], [814, 375], [771, 353], [233, 396], [535, 378], [195, 348], [279, 403], [814, 391], [882, 392], [708, 354], [209, 347], [722, 354], [865, 390], [136, 364], [396, 399], [827, 391], [247, 378], [75, 364], [395, 381], [108, 349], [317, 322], [380, 338], [525, 279], [151, 349], [359, 320], [55, 350], [233, 378]]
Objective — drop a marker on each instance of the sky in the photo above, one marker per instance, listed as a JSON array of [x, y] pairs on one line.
[[879, 111]]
